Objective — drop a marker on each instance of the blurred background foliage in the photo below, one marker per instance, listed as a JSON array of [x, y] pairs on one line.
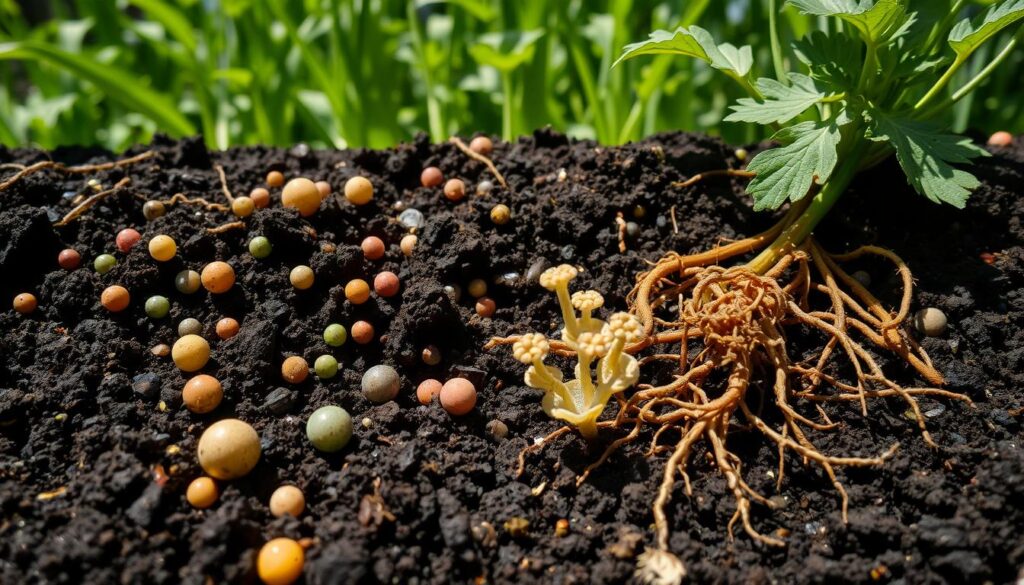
[[374, 72]]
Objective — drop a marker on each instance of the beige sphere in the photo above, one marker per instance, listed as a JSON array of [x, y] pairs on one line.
[[930, 321], [190, 353], [287, 499], [359, 190], [301, 194], [229, 449]]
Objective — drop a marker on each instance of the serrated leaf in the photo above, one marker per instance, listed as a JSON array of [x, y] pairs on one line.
[[835, 59], [782, 103], [787, 172], [927, 154], [694, 42], [875, 20], [967, 35]]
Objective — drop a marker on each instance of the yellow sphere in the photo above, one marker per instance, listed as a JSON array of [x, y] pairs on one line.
[[190, 353], [243, 206], [358, 191], [301, 277], [162, 248], [229, 449], [280, 562], [301, 194]]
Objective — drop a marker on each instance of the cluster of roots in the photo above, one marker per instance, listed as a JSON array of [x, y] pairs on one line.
[[728, 323]]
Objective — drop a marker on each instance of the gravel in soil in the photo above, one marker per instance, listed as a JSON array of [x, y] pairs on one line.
[[96, 448]]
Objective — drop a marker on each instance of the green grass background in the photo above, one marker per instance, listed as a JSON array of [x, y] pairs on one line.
[[375, 72]]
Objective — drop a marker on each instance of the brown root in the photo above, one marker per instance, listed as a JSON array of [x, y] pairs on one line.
[[81, 169], [89, 202], [479, 158]]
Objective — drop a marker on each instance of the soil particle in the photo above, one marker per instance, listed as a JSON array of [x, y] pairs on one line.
[[96, 449]]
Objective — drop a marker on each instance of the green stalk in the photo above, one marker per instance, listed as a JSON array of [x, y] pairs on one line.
[[941, 83], [773, 27], [799, 230], [506, 106]]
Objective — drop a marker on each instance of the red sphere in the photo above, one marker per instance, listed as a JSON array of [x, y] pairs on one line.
[[362, 332], [386, 284], [431, 177], [69, 259], [373, 248], [126, 239]]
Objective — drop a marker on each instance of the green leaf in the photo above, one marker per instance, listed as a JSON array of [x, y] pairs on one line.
[[171, 18], [927, 154], [782, 103], [967, 35], [787, 172], [693, 42], [874, 20], [118, 86], [505, 51], [835, 59]]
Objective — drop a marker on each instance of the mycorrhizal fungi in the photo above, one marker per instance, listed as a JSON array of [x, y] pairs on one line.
[[873, 85]]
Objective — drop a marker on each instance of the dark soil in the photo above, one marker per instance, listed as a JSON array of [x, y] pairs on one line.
[[70, 418]]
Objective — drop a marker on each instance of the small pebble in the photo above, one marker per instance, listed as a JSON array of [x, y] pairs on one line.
[[362, 332], [431, 177], [930, 321], [454, 292], [455, 190], [484, 188], [229, 449], [190, 326], [114, 298], [380, 384], [408, 244], [373, 248], [329, 428], [485, 307], [153, 209], [386, 284], [227, 328], [539, 266], [147, 385], [458, 396], [104, 263], [160, 350], [359, 191], [412, 218], [481, 145], [279, 401], [294, 370], [126, 239], [427, 390], [25, 303], [287, 499], [187, 281], [69, 259], [497, 430]]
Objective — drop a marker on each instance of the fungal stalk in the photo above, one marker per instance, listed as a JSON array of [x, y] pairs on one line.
[[581, 401]]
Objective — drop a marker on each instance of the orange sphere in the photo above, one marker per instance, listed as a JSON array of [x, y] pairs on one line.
[[427, 390], [431, 177], [162, 248], [481, 145], [386, 284], [275, 178], [1001, 138], [260, 197], [485, 307], [362, 332], [202, 394], [218, 277], [190, 353], [359, 190], [115, 298], [25, 303], [280, 562], [294, 370], [202, 493], [227, 328], [324, 188], [357, 291], [243, 206], [287, 499], [373, 248], [301, 194], [455, 189], [458, 396]]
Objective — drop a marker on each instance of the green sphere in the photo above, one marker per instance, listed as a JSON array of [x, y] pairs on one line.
[[260, 247], [326, 367], [157, 306], [104, 263], [329, 429], [335, 335]]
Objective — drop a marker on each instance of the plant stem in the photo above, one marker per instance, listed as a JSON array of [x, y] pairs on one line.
[[941, 83], [800, 229], [773, 27], [506, 106]]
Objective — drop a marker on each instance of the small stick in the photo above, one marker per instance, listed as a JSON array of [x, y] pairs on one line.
[[85, 205], [622, 232], [480, 158], [181, 198], [49, 164], [675, 226], [224, 183], [234, 225], [708, 174]]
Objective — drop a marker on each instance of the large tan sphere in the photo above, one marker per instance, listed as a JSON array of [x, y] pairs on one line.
[[190, 353], [301, 194], [229, 449]]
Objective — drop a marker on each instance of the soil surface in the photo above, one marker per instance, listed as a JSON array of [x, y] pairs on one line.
[[94, 459]]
